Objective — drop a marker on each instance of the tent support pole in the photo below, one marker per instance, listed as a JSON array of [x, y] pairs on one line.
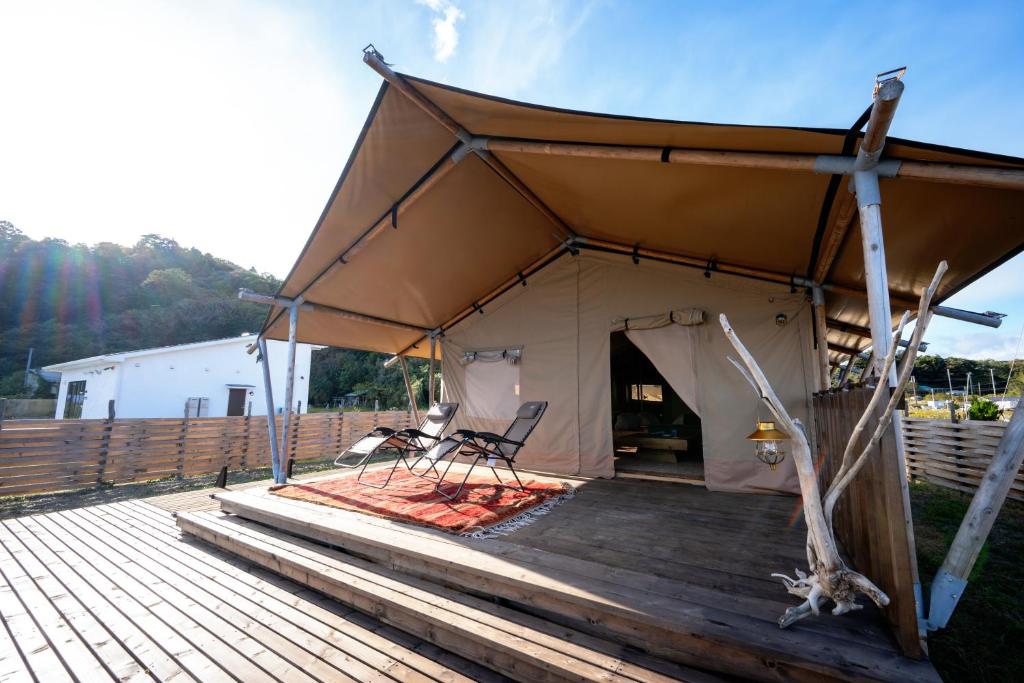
[[951, 579], [268, 394], [289, 386], [869, 205], [821, 337], [408, 389], [433, 360]]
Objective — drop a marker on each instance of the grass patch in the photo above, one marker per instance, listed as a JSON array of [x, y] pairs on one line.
[[982, 642]]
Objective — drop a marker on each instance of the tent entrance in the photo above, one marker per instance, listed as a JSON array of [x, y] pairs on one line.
[[655, 432]]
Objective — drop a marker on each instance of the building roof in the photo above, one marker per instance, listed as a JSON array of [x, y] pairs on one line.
[[417, 235], [125, 355]]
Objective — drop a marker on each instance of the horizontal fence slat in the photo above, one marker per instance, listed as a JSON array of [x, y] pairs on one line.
[[955, 455], [41, 456]]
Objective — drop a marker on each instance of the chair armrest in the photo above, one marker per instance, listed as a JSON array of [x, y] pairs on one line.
[[413, 432], [383, 431], [465, 433], [491, 437]]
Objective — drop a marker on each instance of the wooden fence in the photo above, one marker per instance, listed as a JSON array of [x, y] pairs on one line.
[[954, 455], [40, 456], [872, 519]]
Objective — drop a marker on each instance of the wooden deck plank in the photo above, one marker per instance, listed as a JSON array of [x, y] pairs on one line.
[[317, 617], [670, 627], [148, 605], [107, 650], [103, 608], [182, 654], [260, 651], [41, 662], [210, 657], [348, 655], [471, 626], [65, 643]]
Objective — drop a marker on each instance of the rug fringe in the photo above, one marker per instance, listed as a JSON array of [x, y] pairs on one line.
[[523, 519]]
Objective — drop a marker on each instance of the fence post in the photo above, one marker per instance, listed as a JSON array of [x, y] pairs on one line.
[[952, 412], [181, 444], [3, 411], [108, 427], [245, 442]]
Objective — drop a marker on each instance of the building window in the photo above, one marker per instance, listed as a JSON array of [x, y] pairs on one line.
[[651, 393], [74, 400]]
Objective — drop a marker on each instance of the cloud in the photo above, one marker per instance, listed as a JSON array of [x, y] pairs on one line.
[[446, 36]]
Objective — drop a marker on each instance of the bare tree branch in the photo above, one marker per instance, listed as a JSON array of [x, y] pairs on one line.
[[830, 578]]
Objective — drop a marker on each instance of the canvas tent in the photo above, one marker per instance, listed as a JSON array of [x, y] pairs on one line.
[[452, 200]]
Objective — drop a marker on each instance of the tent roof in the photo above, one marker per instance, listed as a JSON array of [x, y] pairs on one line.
[[445, 235]]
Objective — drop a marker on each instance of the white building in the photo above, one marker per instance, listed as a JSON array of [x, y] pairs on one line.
[[210, 379]]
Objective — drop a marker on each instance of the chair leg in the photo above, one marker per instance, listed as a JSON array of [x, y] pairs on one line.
[[458, 491], [401, 456], [521, 487], [432, 466]]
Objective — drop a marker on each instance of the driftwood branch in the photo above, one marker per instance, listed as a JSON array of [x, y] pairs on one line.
[[829, 577]]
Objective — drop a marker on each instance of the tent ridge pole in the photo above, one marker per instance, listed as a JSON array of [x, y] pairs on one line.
[[830, 164], [376, 62]]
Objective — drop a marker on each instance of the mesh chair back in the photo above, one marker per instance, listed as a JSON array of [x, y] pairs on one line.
[[527, 417], [437, 418]]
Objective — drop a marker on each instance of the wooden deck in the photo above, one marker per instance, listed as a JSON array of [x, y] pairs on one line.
[[671, 569], [113, 592]]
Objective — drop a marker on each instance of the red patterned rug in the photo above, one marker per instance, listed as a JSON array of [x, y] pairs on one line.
[[483, 510]]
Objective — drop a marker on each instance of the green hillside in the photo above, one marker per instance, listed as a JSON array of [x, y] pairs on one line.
[[69, 301]]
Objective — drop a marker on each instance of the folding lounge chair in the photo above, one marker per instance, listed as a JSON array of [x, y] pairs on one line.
[[487, 446], [404, 442]]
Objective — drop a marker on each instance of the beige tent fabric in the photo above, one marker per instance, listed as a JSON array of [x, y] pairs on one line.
[[471, 231], [540, 318], [563, 319], [673, 351], [690, 316]]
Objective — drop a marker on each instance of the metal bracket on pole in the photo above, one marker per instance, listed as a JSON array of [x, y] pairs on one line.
[[946, 593], [477, 145]]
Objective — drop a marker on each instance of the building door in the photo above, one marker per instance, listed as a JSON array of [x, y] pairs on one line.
[[74, 400], [236, 402]]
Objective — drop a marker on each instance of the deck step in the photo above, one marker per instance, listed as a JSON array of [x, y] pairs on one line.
[[518, 645], [690, 625]]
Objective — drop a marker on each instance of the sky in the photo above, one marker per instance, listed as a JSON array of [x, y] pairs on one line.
[[225, 124]]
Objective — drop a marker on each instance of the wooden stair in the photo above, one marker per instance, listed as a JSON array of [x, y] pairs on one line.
[[691, 625], [511, 642]]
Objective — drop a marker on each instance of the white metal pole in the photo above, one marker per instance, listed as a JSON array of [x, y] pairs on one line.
[[408, 389], [430, 381], [869, 205], [289, 386], [268, 394]]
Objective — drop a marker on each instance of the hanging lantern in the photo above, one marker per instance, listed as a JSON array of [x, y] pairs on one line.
[[768, 446]]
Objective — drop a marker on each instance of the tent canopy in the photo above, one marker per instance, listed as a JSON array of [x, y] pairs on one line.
[[417, 234]]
